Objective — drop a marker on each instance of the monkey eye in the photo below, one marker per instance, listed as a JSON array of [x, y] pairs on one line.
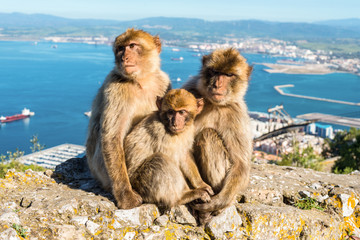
[[229, 74], [132, 45], [170, 112], [120, 48], [182, 112]]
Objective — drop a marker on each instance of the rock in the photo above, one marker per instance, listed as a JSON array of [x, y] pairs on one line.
[[71, 205], [349, 203], [9, 234], [92, 227], [80, 220], [140, 216], [10, 217], [181, 214], [225, 223], [162, 220]]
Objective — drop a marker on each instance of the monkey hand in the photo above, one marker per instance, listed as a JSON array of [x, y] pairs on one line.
[[207, 188], [202, 195], [127, 199], [216, 203]]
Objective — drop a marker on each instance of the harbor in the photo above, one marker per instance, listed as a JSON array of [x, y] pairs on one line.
[[279, 90], [327, 118]]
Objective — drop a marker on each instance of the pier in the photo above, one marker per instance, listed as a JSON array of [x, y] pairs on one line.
[[327, 118], [279, 90]]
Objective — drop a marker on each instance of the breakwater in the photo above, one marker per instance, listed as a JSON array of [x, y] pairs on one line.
[[278, 88]]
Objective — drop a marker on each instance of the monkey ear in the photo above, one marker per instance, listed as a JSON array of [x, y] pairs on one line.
[[157, 42], [250, 69], [205, 59], [159, 102], [200, 105]]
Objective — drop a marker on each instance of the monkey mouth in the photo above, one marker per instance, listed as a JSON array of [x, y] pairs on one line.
[[176, 130], [130, 68], [217, 96]]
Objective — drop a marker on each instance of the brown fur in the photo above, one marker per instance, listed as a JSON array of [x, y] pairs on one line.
[[159, 161], [223, 144], [125, 97]]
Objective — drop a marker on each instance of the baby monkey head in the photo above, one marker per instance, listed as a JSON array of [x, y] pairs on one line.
[[178, 109]]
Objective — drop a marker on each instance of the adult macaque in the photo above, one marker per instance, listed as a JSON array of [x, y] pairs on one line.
[[158, 153], [127, 95], [223, 143]]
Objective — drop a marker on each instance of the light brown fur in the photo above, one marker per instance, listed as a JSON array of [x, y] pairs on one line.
[[159, 160], [223, 143], [127, 95]]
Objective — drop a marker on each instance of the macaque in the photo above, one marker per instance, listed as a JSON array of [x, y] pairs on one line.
[[223, 142], [127, 95], [158, 153]]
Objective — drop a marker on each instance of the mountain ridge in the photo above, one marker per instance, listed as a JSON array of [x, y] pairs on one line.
[[42, 25]]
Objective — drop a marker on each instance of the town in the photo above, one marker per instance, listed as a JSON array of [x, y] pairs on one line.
[[274, 47]]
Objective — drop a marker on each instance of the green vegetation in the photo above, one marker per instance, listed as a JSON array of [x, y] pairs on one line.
[[301, 158], [346, 144], [346, 48], [20, 230], [308, 203], [36, 145], [10, 161]]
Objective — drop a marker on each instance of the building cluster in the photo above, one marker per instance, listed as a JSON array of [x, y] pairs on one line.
[[311, 135], [286, 49], [88, 40]]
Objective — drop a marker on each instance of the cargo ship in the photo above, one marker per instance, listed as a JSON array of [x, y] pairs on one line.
[[24, 114]]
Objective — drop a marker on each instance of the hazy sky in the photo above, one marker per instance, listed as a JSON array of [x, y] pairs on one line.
[[272, 10]]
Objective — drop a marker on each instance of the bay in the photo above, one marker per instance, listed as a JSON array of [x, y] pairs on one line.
[[59, 84]]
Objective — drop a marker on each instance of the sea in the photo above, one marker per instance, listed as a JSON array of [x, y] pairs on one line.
[[59, 81]]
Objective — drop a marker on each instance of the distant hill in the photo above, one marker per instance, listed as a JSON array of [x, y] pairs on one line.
[[19, 25]]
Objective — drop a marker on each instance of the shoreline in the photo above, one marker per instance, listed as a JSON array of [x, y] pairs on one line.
[[315, 69], [278, 88]]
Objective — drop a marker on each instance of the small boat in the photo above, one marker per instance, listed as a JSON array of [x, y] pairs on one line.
[[24, 114], [87, 113], [177, 59], [175, 50]]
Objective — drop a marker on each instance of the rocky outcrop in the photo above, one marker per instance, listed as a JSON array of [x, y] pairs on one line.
[[280, 203]]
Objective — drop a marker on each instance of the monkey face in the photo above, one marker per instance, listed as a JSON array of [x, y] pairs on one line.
[[219, 85], [176, 121], [224, 76], [136, 52], [178, 109], [128, 57]]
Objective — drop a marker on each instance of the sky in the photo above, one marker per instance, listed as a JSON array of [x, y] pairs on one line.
[[212, 10]]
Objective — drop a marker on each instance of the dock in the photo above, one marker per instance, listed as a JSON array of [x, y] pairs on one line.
[[279, 90], [327, 118]]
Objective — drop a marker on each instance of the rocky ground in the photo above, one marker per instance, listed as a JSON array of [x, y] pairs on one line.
[[280, 203]]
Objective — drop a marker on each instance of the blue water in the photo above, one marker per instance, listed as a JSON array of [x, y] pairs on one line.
[[58, 84]]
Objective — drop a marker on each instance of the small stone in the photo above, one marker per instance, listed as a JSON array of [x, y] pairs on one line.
[[10, 217], [9, 234], [180, 214], [140, 216], [79, 220], [348, 204], [92, 227], [129, 236], [67, 232], [155, 228], [305, 194], [10, 205], [162, 220], [316, 186], [227, 221], [48, 173]]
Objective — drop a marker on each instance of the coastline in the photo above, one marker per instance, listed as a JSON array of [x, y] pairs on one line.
[[317, 69]]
